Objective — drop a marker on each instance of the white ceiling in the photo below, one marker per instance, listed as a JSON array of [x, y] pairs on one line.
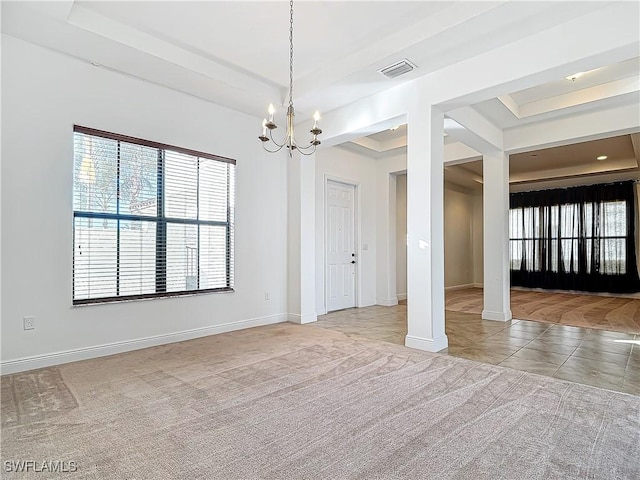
[[219, 30], [392, 133], [567, 165], [598, 76], [602, 88], [562, 166], [235, 53]]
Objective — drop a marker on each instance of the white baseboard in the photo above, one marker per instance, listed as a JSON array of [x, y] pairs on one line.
[[402, 296], [58, 358], [389, 302], [366, 304], [460, 287], [497, 316], [427, 344], [302, 319]]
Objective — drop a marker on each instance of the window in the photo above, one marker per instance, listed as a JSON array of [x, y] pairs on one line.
[[540, 240], [150, 220], [524, 227], [579, 238]]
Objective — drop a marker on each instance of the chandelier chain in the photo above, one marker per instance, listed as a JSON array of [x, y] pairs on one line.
[[291, 53], [289, 139]]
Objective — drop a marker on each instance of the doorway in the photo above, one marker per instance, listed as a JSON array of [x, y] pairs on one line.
[[340, 246]]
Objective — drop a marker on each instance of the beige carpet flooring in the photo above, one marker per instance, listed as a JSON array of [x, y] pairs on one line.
[[617, 314], [301, 402]]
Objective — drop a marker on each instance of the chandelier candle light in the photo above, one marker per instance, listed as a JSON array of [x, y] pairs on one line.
[[289, 139]]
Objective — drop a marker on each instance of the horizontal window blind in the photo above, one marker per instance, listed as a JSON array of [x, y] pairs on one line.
[[149, 219]]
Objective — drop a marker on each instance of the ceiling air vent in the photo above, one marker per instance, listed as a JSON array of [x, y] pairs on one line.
[[397, 69]]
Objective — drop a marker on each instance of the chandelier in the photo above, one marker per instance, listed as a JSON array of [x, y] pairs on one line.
[[269, 126]]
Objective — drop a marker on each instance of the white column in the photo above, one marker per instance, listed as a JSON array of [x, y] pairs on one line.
[[301, 238], [495, 204], [425, 225]]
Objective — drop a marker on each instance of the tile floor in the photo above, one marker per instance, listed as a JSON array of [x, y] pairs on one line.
[[593, 357]]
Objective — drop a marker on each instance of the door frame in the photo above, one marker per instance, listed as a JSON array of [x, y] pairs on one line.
[[356, 235]]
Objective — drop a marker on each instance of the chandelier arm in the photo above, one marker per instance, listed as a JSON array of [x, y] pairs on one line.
[[273, 151], [276, 143], [304, 152], [307, 147]]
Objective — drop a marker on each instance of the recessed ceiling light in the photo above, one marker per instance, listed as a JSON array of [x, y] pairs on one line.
[[575, 76], [602, 157]]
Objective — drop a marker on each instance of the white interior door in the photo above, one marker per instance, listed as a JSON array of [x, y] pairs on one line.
[[340, 245]]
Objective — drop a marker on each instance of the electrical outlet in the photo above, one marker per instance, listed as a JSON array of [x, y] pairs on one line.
[[266, 295], [29, 323]]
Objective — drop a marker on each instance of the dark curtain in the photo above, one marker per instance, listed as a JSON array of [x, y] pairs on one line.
[[579, 238]]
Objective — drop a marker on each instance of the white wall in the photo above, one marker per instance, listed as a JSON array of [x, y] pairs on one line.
[[385, 261], [377, 220], [44, 94], [388, 169], [478, 239], [401, 236], [458, 236], [340, 164], [462, 236]]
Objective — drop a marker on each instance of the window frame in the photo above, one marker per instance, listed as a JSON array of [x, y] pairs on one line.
[[161, 222]]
